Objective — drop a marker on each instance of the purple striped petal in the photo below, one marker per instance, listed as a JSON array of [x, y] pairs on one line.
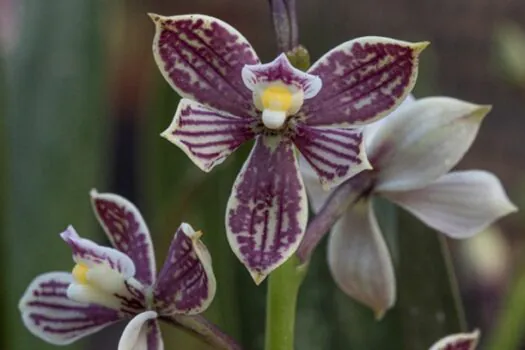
[[127, 232], [142, 333], [363, 80], [335, 154], [202, 57], [207, 135], [89, 253], [186, 284], [281, 70], [267, 211], [51, 316], [460, 341]]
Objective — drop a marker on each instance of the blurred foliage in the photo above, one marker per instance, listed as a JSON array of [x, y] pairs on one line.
[[509, 40]]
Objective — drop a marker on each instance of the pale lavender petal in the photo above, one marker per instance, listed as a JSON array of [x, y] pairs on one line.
[[459, 204], [335, 154], [423, 142], [89, 253], [142, 333], [186, 284], [317, 196], [281, 70], [460, 341], [267, 211], [202, 57], [50, 315], [359, 259], [127, 232], [207, 135], [363, 80]]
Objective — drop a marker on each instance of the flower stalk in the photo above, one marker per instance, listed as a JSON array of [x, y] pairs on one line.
[[284, 17]]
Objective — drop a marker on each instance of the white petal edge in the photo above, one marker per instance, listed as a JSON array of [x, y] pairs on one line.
[[135, 335], [459, 204], [451, 339], [359, 259]]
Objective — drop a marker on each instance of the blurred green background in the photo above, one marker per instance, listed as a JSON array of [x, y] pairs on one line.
[[83, 104]]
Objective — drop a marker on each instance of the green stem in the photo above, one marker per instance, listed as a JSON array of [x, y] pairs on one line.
[[283, 288]]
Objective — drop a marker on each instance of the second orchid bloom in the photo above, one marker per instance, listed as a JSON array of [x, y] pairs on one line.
[[229, 97]]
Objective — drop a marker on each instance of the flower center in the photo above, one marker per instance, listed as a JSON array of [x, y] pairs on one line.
[[80, 273], [277, 102]]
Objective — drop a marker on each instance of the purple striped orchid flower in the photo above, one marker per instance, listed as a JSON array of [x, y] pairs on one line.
[[460, 341], [229, 98], [108, 285], [412, 152]]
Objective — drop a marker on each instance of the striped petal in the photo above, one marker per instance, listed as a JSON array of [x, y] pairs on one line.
[[267, 211], [186, 284], [460, 341], [91, 254], [363, 80], [202, 57], [50, 315], [127, 232], [142, 333], [207, 135], [335, 154]]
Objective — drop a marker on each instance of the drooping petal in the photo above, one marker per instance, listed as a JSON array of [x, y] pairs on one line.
[[142, 333], [423, 142], [186, 284], [460, 341], [50, 315], [267, 211], [335, 154], [281, 70], [127, 232], [89, 254], [202, 57], [363, 80], [207, 135], [459, 204], [359, 259]]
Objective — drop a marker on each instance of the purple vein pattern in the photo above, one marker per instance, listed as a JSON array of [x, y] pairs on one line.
[[203, 61], [48, 309], [154, 340], [267, 208], [127, 232], [184, 284], [363, 80]]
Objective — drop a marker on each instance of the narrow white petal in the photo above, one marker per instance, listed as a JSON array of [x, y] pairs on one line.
[[459, 204], [137, 332]]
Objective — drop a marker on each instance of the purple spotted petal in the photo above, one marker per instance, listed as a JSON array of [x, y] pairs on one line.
[[89, 253], [142, 333], [202, 57], [335, 154], [460, 341], [267, 211], [127, 232], [186, 284], [51, 316], [281, 70], [363, 80], [207, 135]]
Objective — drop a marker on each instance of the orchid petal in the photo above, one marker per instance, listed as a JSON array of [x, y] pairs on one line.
[[186, 284], [460, 341], [267, 211], [281, 70], [207, 135], [317, 196], [202, 57], [359, 259], [459, 204], [127, 232], [335, 154], [89, 253], [142, 333], [363, 80], [50, 315], [423, 142]]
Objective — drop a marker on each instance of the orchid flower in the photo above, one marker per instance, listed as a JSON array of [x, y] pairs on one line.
[[460, 341], [412, 152], [112, 284], [229, 98]]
